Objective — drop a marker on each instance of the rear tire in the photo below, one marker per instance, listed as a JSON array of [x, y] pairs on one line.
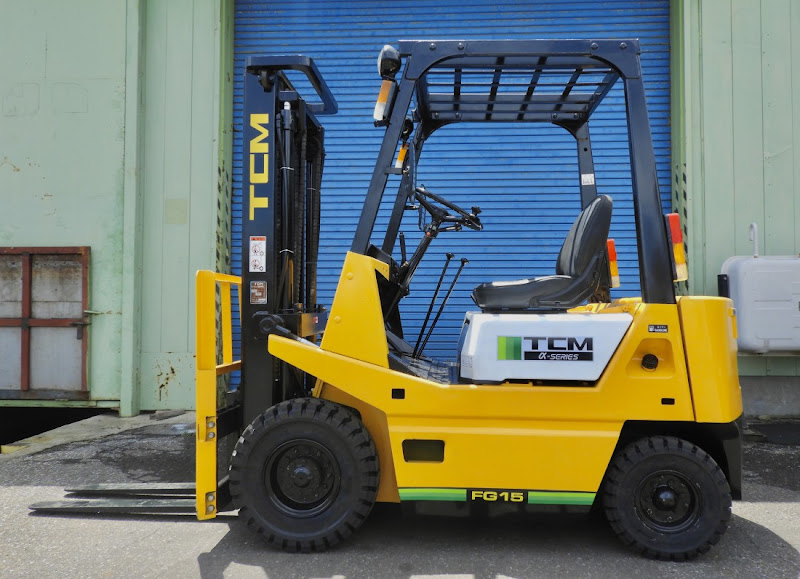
[[667, 498], [304, 474]]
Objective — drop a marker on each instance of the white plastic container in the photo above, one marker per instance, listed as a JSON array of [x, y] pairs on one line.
[[766, 293]]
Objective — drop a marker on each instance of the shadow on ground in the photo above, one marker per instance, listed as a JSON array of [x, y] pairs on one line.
[[19, 423], [397, 543], [432, 539], [157, 453]]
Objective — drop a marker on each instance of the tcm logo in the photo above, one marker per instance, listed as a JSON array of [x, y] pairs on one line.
[[561, 348], [259, 161]]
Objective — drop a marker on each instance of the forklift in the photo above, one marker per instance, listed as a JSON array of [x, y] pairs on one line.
[[558, 395]]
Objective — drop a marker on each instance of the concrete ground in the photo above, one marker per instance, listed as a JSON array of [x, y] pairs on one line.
[[443, 542]]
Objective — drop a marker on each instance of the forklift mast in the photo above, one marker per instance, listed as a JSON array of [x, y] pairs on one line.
[[283, 157]]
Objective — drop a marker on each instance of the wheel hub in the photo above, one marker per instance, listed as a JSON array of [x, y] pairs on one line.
[[667, 502], [665, 499], [302, 477]]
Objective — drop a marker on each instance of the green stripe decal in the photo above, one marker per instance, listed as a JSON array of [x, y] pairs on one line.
[[509, 348], [534, 497], [559, 498], [433, 494]]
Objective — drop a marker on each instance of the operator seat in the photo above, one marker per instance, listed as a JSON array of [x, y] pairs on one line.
[[578, 269]]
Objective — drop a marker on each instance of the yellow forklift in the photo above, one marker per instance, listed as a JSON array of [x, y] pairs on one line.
[[558, 395]]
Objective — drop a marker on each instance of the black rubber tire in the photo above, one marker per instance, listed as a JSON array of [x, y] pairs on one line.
[[666, 498], [329, 453]]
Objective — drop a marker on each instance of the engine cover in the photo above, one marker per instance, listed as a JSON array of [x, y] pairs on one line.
[[564, 346]]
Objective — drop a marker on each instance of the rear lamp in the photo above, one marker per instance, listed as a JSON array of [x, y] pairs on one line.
[[384, 96], [680, 271], [401, 156], [613, 269]]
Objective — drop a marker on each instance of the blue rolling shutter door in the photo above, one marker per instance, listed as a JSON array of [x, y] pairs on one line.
[[524, 177]]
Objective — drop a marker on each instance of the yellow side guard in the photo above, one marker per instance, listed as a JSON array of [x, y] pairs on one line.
[[209, 352]]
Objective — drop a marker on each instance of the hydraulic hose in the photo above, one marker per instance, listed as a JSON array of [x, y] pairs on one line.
[[299, 221], [315, 197]]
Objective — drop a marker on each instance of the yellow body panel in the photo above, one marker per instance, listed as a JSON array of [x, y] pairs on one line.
[[709, 333], [375, 421], [355, 324], [511, 436], [516, 436]]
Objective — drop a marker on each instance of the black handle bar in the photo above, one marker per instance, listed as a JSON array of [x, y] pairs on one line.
[[304, 64]]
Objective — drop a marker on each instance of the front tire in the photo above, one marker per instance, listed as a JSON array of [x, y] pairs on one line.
[[667, 498], [304, 474]]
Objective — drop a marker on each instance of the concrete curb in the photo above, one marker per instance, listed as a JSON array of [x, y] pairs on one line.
[[88, 429]]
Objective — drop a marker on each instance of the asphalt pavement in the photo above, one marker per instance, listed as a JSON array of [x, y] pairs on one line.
[[443, 541]]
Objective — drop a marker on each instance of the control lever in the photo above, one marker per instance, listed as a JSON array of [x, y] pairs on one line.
[[449, 256], [418, 353]]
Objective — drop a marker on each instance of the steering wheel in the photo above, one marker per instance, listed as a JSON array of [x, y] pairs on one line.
[[462, 217]]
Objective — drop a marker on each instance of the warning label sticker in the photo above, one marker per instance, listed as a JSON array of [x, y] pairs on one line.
[[258, 292], [658, 328], [258, 250], [587, 178]]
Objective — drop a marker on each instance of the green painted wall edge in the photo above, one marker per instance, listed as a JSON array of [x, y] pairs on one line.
[[132, 211], [717, 121]]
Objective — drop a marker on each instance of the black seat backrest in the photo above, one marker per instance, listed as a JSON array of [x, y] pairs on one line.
[[586, 238], [578, 268]]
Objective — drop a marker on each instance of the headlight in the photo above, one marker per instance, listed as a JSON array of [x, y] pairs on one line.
[[388, 62], [388, 65]]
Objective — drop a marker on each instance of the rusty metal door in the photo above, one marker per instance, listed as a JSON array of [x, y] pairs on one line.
[[44, 295]]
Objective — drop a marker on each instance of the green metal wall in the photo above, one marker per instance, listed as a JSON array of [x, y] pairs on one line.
[[185, 186], [737, 137], [115, 133], [62, 152]]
